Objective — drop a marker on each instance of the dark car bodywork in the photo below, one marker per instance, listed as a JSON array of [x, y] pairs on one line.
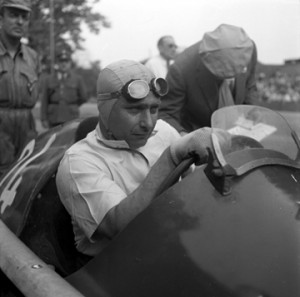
[[231, 235]]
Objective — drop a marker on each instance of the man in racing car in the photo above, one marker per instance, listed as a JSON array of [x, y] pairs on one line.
[[113, 174]]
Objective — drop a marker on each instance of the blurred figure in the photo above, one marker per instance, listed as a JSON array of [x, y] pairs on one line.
[[18, 80], [217, 71], [160, 64], [279, 87], [62, 94]]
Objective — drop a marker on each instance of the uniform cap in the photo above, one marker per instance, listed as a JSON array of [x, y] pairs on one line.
[[112, 79], [63, 55], [20, 4], [226, 51]]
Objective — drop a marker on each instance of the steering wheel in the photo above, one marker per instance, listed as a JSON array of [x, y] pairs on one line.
[[238, 141], [174, 176]]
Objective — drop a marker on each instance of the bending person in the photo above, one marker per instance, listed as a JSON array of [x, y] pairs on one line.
[[217, 71]]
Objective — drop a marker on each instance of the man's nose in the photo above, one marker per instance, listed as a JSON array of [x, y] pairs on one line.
[[146, 120], [21, 19]]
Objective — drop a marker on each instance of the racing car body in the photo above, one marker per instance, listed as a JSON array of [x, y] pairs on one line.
[[234, 234]]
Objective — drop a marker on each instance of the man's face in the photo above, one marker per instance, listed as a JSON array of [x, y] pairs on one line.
[[168, 49], [134, 120], [14, 22], [64, 65]]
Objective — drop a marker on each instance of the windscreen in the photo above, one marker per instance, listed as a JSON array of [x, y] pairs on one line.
[[250, 127]]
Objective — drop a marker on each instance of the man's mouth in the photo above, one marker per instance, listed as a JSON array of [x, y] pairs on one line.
[[18, 30], [143, 135]]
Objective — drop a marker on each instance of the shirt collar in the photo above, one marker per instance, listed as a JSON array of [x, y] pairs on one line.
[[117, 144], [60, 75], [122, 144], [23, 51]]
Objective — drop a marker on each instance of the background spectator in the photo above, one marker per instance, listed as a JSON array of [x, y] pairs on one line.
[[19, 69], [62, 94], [160, 64]]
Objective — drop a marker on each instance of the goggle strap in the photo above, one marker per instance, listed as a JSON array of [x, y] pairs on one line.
[[108, 96]]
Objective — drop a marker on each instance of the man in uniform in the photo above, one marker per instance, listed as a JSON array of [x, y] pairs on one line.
[[62, 94], [18, 80]]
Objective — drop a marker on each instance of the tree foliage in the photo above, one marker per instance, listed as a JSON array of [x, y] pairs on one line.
[[69, 15]]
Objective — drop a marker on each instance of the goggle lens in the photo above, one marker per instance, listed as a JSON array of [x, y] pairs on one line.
[[160, 86], [138, 89]]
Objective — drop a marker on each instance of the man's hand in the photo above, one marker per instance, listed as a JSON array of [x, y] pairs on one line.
[[194, 144], [197, 144]]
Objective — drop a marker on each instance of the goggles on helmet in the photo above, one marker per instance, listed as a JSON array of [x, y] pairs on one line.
[[137, 89]]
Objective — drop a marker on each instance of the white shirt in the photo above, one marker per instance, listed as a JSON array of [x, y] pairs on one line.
[[96, 174], [158, 65]]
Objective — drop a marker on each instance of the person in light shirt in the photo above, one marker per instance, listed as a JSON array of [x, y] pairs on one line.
[[160, 63], [110, 176]]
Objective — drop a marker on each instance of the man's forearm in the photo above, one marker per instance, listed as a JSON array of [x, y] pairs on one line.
[[119, 216]]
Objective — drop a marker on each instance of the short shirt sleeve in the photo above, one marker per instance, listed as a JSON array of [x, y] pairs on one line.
[[87, 193]]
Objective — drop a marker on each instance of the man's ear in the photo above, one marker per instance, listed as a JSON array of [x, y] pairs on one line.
[[160, 48], [104, 130]]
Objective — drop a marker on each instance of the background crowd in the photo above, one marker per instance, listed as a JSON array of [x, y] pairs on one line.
[[279, 87]]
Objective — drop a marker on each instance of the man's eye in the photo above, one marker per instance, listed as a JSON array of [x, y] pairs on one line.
[[134, 110], [154, 110], [25, 17]]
